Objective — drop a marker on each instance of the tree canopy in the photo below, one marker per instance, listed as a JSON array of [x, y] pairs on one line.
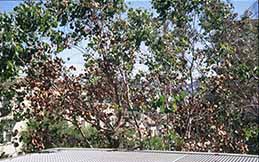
[[200, 91]]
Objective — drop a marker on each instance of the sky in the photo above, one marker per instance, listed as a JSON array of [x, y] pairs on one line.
[[76, 58], [240, 5]]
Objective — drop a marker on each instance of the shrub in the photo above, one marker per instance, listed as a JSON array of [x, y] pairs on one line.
[[49, 134]]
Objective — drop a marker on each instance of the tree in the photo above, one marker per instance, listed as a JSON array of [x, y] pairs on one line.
[[209, 29], [188, 95], [33, 34]]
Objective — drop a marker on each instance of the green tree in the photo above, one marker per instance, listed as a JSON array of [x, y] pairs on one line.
[[198, 84]]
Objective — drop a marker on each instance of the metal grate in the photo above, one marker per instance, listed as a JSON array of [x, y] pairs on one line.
[[217, 158], [97, 155]]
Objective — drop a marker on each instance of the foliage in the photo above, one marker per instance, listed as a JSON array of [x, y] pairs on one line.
[[196, 95], [3, 155], [52, 134], [165, 141], [6, 126]]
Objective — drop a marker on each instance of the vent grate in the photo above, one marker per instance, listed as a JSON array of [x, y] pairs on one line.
[[218, 158], [98, 155]]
